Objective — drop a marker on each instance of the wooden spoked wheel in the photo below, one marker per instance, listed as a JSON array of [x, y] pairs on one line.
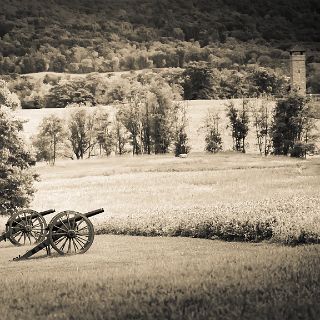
[[26, 227], [71, 232]]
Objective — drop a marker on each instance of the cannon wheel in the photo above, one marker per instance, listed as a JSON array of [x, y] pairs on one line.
[[70, 232], [26, 227]]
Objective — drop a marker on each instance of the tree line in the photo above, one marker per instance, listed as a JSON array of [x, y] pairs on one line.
[[149, 120], [153, 124], [197, 81], [288, 128]]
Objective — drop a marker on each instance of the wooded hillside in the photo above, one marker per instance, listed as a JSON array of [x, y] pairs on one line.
[[80, 36]]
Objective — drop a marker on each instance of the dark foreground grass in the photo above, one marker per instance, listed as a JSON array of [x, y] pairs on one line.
[[123, 277]]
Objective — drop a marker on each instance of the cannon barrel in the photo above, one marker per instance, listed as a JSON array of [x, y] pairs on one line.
[[35, 215], [94, 212], [44, 213]]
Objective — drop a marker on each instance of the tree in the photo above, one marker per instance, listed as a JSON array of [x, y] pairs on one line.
[[181, 145], [103, 132], [264, 81], [292, 126], [131, 117], [120, 134], [213, 140], [16, 180], [163, 117], [79, 132], [8, 99], [262, 123], [198, 81], [239, 123], [66, 93], [147, 120], [50, 137]]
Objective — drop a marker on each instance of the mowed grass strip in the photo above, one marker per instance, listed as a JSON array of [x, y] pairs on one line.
[[123, 277]]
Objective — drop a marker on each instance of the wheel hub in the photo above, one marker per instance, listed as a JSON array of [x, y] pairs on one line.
[[28, 228], [71, 234]]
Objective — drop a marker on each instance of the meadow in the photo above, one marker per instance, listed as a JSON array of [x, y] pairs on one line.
[[259, 205], [228, 196]]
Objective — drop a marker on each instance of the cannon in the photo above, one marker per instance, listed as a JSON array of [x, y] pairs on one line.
[[26, 227], [69, 232]]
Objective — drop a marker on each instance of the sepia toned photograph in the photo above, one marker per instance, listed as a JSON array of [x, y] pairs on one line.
[[159, 160]]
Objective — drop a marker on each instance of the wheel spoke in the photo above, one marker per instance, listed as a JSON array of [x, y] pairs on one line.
[[17, 228], [62, 247], [84, 237], [86, 227], [69, 246], [28, 236], [68, 220], [34, 235], [83, 232], [20, 237], [59, 228], [17, 233], [36, 232], [19, 223], [64, 224], [56, 242], [35, 225], [75, 245], [81, 244], [81, 240]]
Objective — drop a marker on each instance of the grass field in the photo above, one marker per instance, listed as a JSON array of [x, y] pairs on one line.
[[124, 277], [266, 201], [225, 196]]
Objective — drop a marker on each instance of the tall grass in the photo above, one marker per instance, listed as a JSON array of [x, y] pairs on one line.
[[227, 196]]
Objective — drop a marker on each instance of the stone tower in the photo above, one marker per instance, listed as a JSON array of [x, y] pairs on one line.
[[298, 70]]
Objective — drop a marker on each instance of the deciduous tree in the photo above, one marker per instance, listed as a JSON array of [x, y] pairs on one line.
[[293, 122], [239, 124], [213, 140], [50, 138], [16, 180]]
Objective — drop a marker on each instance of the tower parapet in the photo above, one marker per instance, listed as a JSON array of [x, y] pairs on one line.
[[298, 70]]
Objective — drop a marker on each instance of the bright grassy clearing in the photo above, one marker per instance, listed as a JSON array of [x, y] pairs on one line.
[[130, 186], [124, 277]]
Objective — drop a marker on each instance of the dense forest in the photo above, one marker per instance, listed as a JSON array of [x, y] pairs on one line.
[[85, 36], [106, 35]]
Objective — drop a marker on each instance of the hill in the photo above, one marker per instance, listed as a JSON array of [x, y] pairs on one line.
[[80, 36]]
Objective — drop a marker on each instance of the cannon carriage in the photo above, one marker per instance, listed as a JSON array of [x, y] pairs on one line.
[[69, 232]]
